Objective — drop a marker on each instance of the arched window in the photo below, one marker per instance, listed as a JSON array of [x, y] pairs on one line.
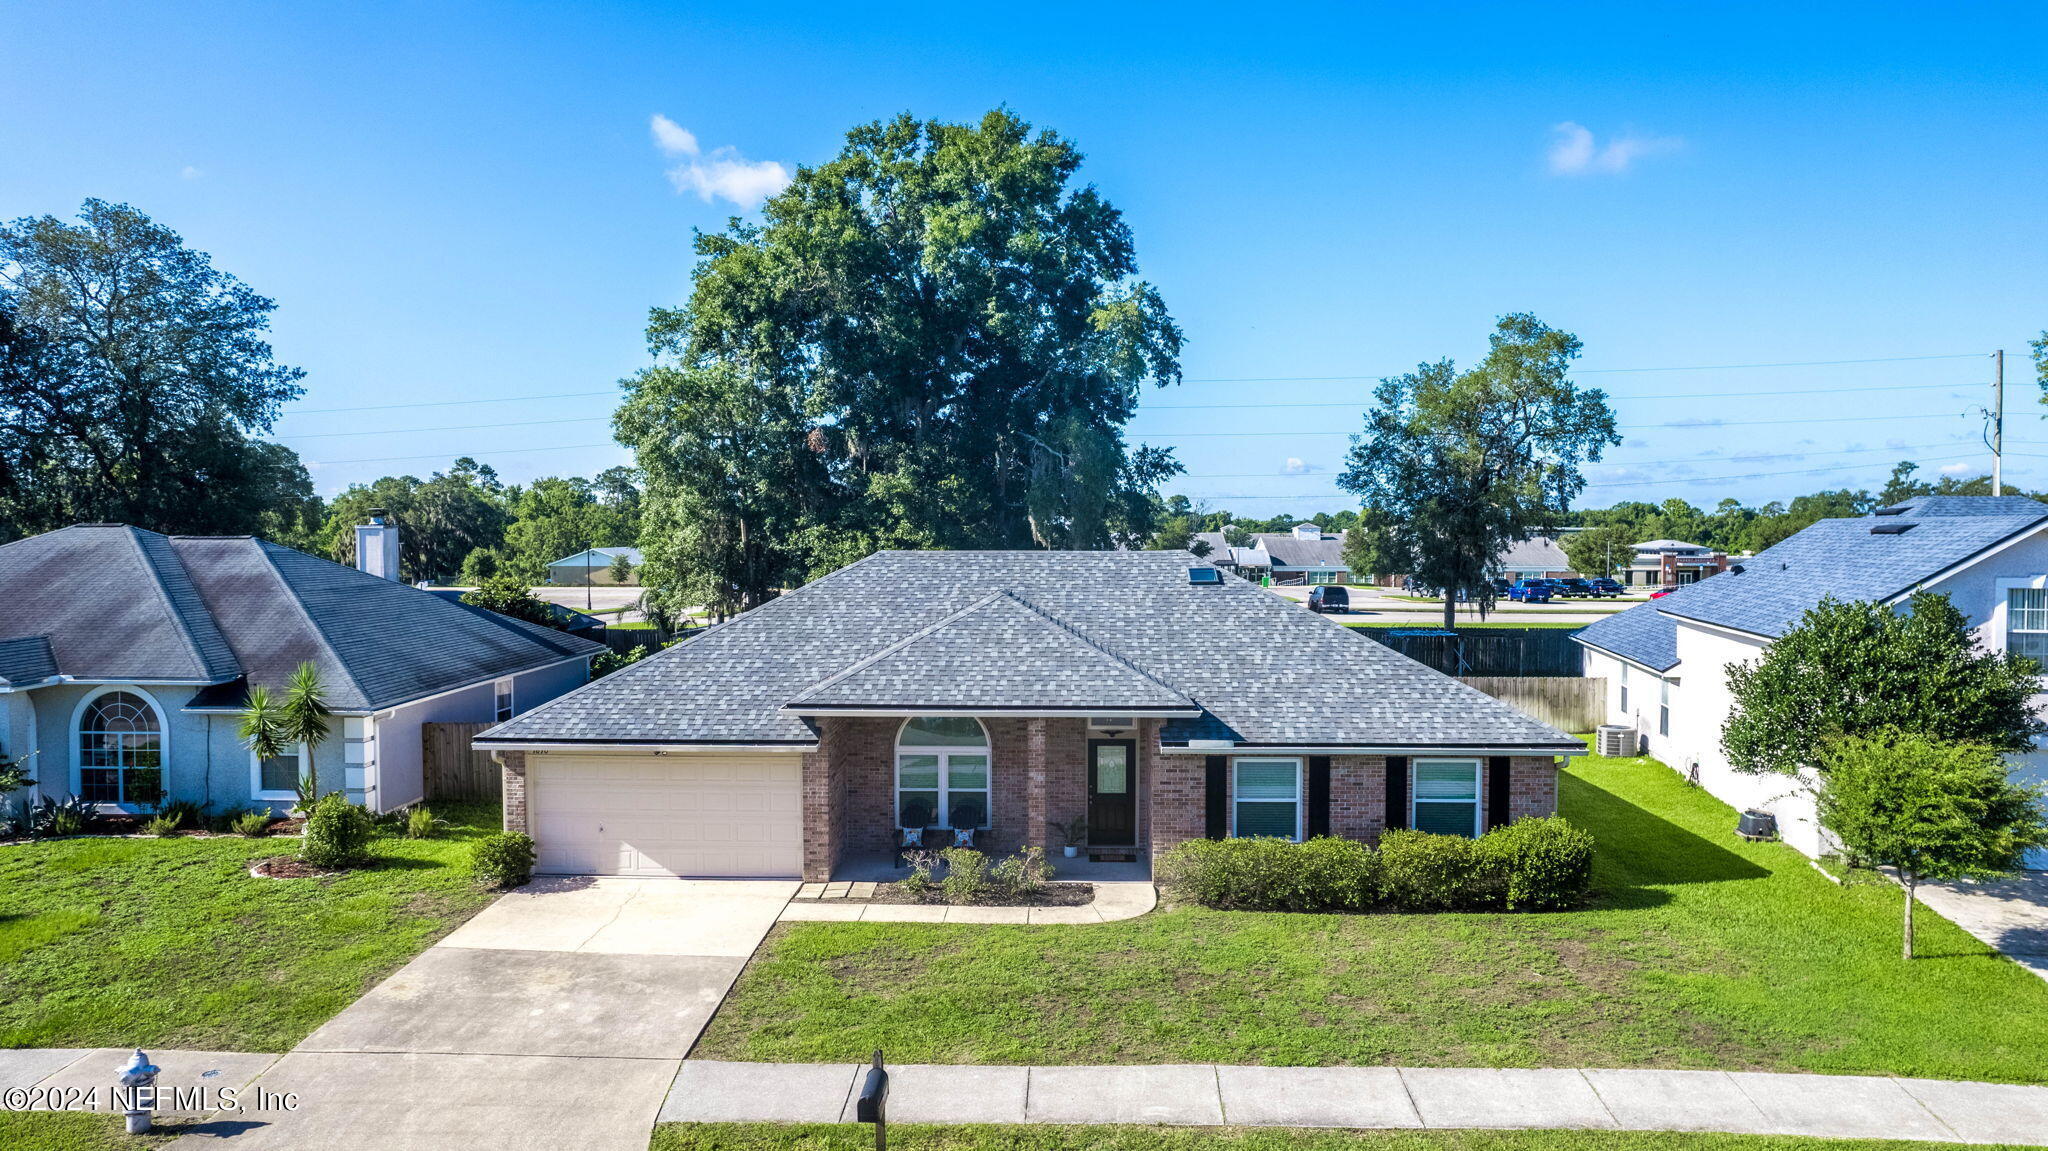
[[120, 749], [942, 773]]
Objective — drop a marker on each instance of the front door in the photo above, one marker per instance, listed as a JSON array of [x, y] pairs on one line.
[[1112, 793]]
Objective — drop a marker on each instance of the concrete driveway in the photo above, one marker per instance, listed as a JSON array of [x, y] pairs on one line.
[[2009, 914], [555, 1018]]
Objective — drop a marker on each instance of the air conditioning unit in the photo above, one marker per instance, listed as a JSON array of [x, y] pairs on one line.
[[1615, 740], [1111, 723]]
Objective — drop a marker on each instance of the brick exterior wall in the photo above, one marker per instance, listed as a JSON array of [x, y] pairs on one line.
[[1176, 797], [1532, 786], [1358, 796], [513, 764]]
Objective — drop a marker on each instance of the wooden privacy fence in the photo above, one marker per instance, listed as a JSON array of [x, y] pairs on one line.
[[453, 769], [1569, 703], [1540, 651]]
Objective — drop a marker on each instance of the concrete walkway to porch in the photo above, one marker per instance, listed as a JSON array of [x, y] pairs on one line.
[[1828, 1106], [842, 904]]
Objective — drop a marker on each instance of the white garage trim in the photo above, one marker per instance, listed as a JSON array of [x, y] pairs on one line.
[[727, 815]]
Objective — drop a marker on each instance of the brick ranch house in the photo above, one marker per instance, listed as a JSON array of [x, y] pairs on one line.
[[1010, 693]]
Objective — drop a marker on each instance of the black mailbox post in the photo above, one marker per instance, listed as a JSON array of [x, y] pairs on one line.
[[873, 1104]]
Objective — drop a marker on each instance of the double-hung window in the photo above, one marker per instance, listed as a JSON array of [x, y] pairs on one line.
[[2026, 623], [942, 773], [1266, 798], [1624, 689], [1663, 707], [1447, 796], [503, 702]]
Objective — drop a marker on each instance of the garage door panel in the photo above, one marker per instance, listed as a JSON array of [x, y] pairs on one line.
[[668, 815]]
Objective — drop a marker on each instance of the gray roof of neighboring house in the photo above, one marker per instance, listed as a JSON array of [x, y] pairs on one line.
[[26, 660], [1289, 552], [1537, 553], [996, 631], [1842, 558], [609, 554], [115, 602]]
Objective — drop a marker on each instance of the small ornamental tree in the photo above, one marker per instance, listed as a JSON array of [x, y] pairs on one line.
[[1928, 808], [509, 595], [622, 569], [1853, 669]]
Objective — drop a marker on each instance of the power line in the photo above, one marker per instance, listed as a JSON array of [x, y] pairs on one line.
[[1629, 399], [1759, 457], [448, 403], [449, 428], [1691, 425], [1608, 371], [458, 455]]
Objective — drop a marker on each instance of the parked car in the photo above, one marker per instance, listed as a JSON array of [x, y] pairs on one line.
[[1328, 597], [1602, 586], [1531, 591], [1500, 588], [1660, 593], [1574, 588]]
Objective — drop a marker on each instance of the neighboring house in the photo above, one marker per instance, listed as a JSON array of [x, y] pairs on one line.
[[1666, 661], [1012, 692], [592, 566], [1250, 561], [1672, 563], [127, 655], [1538, 557], [1304, 555]]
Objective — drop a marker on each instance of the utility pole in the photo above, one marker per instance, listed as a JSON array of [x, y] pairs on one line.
[[1998, 422]]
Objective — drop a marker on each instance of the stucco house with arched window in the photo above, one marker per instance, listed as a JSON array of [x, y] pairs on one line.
[[925, 697], [126, 657]]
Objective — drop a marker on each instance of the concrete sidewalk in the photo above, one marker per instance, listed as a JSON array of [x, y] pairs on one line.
[[1834, 1106]]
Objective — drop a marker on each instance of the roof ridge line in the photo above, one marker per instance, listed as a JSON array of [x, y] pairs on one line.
[[156, 582], [884, 652], [313, 625], [1090, 641]]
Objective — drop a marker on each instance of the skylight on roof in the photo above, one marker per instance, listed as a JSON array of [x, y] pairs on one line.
[[1199, 576], [1891, 529]]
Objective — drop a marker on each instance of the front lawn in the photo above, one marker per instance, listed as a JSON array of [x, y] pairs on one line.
[[1698, 950], [79, 1131], [110, 942], [908, 1137]]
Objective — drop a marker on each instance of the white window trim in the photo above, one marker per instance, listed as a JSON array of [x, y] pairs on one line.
[[506, 688], [1663, 707], [1478, 800], [946, 789], [163, 744], [2000, 629], [256, 775], [1624, 687], [1300, 790]]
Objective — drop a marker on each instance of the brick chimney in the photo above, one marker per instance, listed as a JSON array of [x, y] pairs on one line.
[[377, 545]]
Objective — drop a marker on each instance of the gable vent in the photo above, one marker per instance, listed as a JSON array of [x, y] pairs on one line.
[[1891, 529]]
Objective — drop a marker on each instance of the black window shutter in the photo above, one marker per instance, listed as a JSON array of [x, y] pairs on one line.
[[1318, 795], [1397, 791], [1496, 792], [1217, 806]]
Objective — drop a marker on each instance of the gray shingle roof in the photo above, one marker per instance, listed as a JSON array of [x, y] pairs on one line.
[[1840, 557], [121, 603], [1293, 679], [1537, 553], [1290, 552], [1045, 666], [26, 660]]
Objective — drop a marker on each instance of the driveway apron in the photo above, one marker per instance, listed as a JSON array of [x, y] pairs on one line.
[[555, 1018]]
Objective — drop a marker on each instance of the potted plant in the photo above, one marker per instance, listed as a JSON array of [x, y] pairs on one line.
[[1076, 833]]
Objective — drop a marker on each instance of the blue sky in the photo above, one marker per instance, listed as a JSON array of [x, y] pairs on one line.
[[469, 202]]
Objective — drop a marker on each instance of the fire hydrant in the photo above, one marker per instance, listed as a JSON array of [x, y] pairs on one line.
[[138, 1091]]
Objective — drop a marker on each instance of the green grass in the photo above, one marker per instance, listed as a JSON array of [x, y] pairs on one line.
[[110, 942], [631, 625], [78, 1131], [1696, 950], [919, 1137]]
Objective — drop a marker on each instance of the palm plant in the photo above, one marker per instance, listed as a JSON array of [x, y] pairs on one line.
[[271, 727]]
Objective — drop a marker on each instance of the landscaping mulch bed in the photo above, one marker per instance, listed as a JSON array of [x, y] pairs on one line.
[[1051, 895], [287, 867]]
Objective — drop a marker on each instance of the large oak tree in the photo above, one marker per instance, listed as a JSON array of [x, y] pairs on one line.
[[933, 340]]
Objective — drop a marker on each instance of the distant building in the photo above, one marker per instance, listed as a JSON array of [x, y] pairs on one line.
[[592, 566], [1672, 563], [1304, 555], [1538, 557]]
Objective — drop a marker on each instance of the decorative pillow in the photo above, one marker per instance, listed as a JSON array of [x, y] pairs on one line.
[[963, 837]]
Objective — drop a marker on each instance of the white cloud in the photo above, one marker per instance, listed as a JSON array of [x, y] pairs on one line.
[[671, 137], [1959, 469], [1575, 151], [1295, 466], [721, 174], [188, 172]]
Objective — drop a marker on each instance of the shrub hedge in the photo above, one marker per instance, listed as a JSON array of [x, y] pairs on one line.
[[1538, 864], [337, 833], [502, 859]]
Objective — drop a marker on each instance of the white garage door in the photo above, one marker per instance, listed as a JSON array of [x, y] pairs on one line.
[[667, 815]]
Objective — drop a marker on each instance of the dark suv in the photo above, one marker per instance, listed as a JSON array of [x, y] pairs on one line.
[[1574, 588], [1328, 597], [1602, 586]]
